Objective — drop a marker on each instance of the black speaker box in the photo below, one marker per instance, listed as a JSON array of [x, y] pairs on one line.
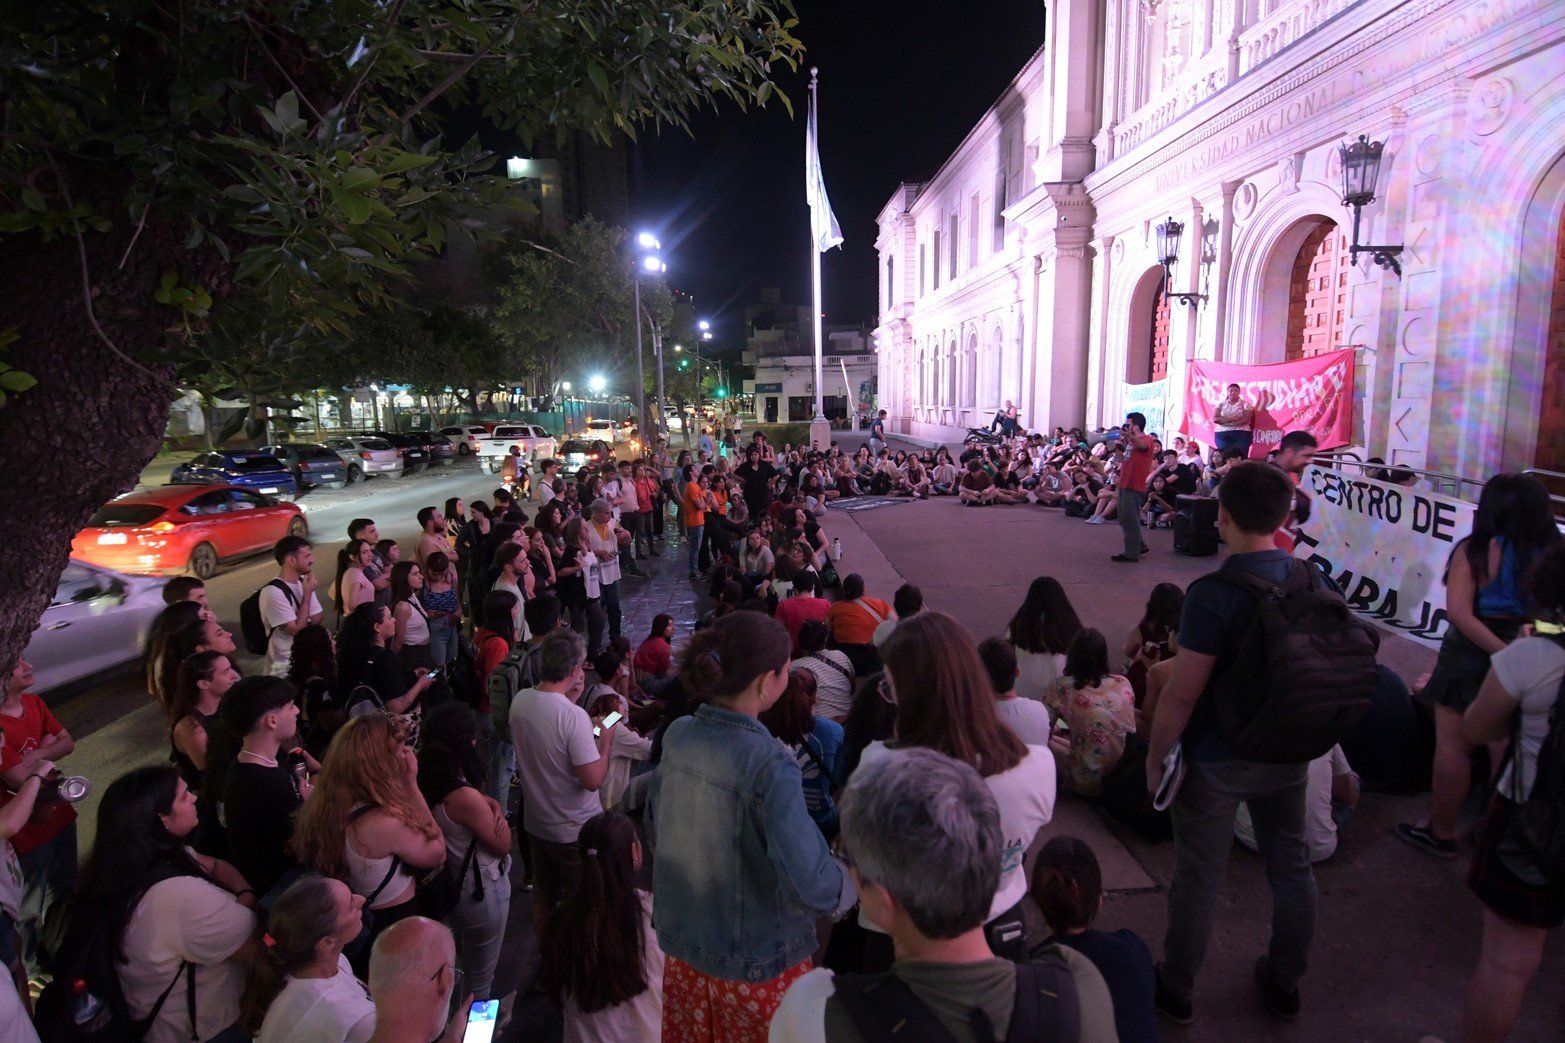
[[1195, 526]]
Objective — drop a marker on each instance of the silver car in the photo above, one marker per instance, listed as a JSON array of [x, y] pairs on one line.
[[97, 620], [366, 457]]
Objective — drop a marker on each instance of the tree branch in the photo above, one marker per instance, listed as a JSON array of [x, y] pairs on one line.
[[139, 226], [369, 63], [260, 40]]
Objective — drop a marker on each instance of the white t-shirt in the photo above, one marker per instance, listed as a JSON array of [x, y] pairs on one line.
[[1320, 829], [320, 1010], [1029, 720], [628, 500], [185, 918], [15, 1025], [552, 735], [610, 491], [639, 1018], [886, 628], [276, 610], [1026, 798], [1035, 670], [833, 690], [1530, 670], [518, 616]]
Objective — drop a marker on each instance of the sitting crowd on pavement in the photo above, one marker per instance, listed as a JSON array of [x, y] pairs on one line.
[[817, 812]]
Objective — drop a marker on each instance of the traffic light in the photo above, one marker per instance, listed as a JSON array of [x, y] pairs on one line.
[[722, 392], [684, 363]]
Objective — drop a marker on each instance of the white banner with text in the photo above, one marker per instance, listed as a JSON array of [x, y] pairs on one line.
[[1151, 400]]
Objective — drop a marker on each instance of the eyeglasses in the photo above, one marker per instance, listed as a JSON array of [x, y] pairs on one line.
[[457, 995]]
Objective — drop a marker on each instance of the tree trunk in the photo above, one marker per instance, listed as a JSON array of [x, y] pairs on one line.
[[84, 434]]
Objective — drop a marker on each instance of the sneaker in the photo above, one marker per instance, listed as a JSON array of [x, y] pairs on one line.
[[1121, 557], [1279, 1003], [1179, 1011], [1421, 837], [694, 574]]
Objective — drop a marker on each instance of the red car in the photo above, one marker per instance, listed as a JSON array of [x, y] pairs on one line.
[[185, 528]]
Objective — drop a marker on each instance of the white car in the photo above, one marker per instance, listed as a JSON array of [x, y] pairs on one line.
[[466, 437], [97, 620], [536, 443], [610, 431]]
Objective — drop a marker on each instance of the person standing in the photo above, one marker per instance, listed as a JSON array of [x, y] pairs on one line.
[[1133, 486], [378, 572], [648, 516], [1232, 422], [1251, 503], [432, 536], [289, 604], [603, 540], [877, 433]]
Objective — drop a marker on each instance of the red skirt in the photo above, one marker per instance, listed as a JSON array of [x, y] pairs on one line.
[[698, 1008]]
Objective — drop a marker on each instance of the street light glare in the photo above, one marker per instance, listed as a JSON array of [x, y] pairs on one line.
[[704, 324], [679, 347], [647, 241], [596, 384], [565, 385], [652, 264]]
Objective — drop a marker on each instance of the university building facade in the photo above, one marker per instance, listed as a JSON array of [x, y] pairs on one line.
[[1028, 267]]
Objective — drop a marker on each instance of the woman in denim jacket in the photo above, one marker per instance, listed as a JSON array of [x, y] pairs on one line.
[[742, 872]]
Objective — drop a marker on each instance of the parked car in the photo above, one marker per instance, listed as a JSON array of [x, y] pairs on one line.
[[366, 457], [413, 452], [185, 528], [251, 470], [97, 620], [312, 464], [439, 447], [536, 443], [610, 431], [465, 437], [576, 453]]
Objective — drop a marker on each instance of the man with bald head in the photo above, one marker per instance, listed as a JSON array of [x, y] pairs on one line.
[[412, 975]]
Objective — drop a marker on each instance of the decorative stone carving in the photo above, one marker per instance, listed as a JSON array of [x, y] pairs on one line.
[[1288, 174], [1244, 201], [1429, 154], [1490, 105]]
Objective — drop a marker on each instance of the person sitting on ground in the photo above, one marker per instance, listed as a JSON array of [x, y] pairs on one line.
[[925, 838], [300, 988], [1158, 510], [412, 974], [757, 562], [1096, 710], [1068, 887], [1053, 486], [906, 602], [853, 621], [1150, 641], [654, 659], [943, 478], [834, 673], [601, 960], [1028, 718], [814, 741], [976, 488], [801, 604], [1330, 797], [1041, 631]]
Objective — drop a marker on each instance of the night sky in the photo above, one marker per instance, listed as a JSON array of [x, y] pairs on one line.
[[902, 82]]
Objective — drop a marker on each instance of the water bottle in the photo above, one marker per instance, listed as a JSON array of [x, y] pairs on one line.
[[87, 1010], [836, 548]]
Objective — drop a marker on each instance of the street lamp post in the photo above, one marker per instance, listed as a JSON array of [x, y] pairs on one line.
[[649, 261], [705, 333]]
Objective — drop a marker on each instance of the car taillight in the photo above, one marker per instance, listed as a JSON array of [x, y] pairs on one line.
[[161, 526], [364, 455]]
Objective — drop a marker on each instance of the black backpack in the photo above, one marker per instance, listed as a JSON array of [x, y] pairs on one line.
[[1303, 674], [1537, 826], [885, 1010], [78, 946], [517, 671], [257, 635]]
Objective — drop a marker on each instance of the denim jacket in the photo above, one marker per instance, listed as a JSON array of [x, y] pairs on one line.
[[741, 871]]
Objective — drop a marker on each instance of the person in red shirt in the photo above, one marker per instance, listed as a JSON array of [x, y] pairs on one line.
[[46, 846], [655, 657], [1133, 485], [801, 605], [853, 621]]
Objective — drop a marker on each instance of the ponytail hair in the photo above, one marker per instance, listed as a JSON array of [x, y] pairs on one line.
[[723, 660], [594, 944], [304, 914]]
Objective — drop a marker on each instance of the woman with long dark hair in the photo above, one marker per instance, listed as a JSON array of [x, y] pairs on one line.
[[601, 960], [1486, 605], [204, 634], [352, 587], [469, 539], [312, 669], [174, 919], [1097, 710], [191, 710], [742, 871], [171, 620], [1041, 630], [945, 702], [366, 661], [300, 988], [1150, 642], [452, 777]]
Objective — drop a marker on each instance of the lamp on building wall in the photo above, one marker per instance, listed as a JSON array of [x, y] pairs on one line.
[[1168, 234], [1360, 171]]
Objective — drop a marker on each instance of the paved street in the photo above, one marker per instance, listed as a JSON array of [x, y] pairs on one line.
[[1398, 931]]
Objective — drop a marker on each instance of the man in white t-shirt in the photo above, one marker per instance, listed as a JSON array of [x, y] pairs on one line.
[[562, 764], [1028, 718], [288, 603]]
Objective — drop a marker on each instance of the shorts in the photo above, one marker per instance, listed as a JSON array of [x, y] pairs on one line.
[[698, 1008], [1497, 884], [1461, 667], [556, 870]]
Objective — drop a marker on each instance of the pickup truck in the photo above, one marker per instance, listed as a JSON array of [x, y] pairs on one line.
[[537, 444]]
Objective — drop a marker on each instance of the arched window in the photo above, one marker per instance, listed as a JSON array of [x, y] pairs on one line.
[[1146, 346], [948, 392], [1318, 293], [970, 373]]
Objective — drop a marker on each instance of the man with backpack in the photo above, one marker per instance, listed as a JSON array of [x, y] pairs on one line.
[[921, 834], [1273, 668], [517, 672], [288, 603]]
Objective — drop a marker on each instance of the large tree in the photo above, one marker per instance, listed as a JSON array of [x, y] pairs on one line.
[[184, 181]]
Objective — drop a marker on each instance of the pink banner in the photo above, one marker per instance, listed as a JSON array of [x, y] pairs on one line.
[[1313, 394]]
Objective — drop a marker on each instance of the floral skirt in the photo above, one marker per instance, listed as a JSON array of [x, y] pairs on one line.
[[698, 1008]]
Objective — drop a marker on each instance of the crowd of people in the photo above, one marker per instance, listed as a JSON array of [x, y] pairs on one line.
[[806, 815]]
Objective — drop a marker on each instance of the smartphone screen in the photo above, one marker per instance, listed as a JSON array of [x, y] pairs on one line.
[[481, 1019], [608, 722]]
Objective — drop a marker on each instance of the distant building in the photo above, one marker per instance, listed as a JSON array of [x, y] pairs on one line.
[[780, 348], [1027, 267], [579, 177]]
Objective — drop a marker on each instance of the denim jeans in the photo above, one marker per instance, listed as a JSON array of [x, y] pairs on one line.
[[479, 926], [608, 596], [587, 619], [1226, 440], [48, 876], [1130, 503], [693, 536], [643, 531], [443, 638], [631, 522], [1203, 817]]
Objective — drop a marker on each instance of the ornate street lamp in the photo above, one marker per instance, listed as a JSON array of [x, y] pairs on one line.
[[1168, 234], [1360, 171]]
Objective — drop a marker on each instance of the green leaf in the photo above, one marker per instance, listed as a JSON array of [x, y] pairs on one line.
[[359, 179], [404, 161], [33, 199], [599, 78], [18, 221], [17, 381], [354, 207]]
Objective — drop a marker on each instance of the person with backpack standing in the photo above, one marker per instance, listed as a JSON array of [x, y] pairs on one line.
[[1486, 607], [1261, 759], [922, 837], [1518, 872], [288, 603]]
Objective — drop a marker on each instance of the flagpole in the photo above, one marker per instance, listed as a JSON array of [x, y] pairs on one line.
[[820, 430]]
